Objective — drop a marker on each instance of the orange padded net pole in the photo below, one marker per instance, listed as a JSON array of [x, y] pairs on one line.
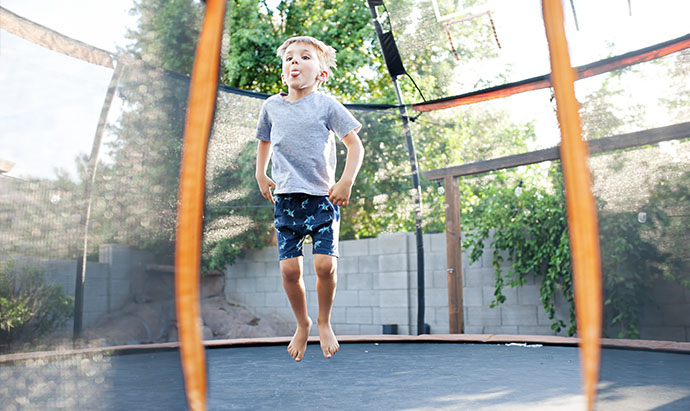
[[582, 215], [202, 98]]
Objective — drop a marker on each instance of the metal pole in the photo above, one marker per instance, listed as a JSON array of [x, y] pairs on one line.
[[412, 156]]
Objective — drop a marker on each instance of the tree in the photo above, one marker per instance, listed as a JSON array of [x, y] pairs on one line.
[[136, 194]]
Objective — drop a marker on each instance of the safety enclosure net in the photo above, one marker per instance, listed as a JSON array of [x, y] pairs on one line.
[[89, 190]]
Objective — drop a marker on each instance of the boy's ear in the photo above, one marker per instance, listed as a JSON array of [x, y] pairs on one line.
[[323, 76], [282, 78]]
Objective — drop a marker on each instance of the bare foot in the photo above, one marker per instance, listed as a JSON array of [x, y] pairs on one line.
[[298, 344], [329, 344]]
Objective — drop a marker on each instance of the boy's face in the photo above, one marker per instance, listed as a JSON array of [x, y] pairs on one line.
[[301, 68]]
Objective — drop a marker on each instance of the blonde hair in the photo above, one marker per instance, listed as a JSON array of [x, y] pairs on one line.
[[325, 53]]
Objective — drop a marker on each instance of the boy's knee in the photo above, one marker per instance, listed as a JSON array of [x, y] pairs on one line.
[[291, 273], [325, 267]]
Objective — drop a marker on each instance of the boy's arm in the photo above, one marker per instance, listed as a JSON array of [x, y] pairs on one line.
[[339, 194], [263, 154]]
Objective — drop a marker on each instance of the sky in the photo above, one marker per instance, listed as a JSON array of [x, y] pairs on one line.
[[50, 103]]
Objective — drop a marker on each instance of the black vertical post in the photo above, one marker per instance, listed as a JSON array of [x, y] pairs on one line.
[[395, 68]]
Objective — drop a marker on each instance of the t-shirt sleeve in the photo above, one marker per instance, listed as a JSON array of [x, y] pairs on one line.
[[341, 121], [263, 128]]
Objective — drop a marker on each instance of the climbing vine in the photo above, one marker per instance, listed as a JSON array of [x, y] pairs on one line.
[[527, 225]]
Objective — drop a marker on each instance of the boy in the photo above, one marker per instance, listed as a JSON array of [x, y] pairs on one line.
[[294, 130]]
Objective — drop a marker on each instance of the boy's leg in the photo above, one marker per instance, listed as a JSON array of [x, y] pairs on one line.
[[326, 281], [293, 283]]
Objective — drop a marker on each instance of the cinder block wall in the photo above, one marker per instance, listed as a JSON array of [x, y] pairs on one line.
[[377, 285], [107, 286]]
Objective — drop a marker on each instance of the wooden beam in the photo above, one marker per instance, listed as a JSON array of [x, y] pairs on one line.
[[456, 318], [602, 145]]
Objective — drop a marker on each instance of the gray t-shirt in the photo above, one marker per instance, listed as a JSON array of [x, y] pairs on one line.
[[301, 136]]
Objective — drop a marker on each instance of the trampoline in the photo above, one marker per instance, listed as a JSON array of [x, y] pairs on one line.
[[383, 373], [118, 210]]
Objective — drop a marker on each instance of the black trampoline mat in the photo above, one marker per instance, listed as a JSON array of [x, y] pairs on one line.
[[376, 376]]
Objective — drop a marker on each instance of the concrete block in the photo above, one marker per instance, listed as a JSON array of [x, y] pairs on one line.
[[466, 263], [276, 300], [376, 315], [667, 292], [439, 279], [365, 329], [368, 298], [393, 262], [359, 315], [236, 270], [394, 298], [405, 330], [266, 254], [353, 248], [346, 298], [651, 315], [308, 267], [488, 276], [472, 296], [368, 264], [348, 265], [246, 285], [542, 317], [441, 315], [436, 297], [118, 286], [437, 243], [395, 315], [535, 330], [308, 250], [472, 329], [435, 261], [97, 304], [273, 268], [502, 329], [312, 299], [509, 292], [309, 282], [391, 281], [256, 269], [663, 333], [528, 294], [482, 316], [428, 279], [346, 329], [360, 281], [675, 314], [230, 285], [338, 315], [392, 243], [519, 315], [270, 284], [429, 315]]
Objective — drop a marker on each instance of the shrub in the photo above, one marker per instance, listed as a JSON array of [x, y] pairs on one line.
[[29, 307]]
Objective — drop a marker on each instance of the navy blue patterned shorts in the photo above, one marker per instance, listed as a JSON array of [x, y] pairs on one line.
[[299, 215]]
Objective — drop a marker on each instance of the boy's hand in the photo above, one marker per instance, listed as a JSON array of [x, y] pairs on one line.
[[265, 186], [339, 194]]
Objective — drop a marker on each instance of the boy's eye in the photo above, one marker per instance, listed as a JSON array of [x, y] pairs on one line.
[[306, 57], [288, 58]]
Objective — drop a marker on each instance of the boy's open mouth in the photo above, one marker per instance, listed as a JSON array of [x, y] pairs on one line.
[[295, 73]]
